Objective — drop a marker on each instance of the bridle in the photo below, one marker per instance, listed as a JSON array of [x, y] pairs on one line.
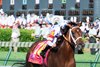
[[71, 36]]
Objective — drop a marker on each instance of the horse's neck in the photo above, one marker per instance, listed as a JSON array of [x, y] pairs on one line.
[[63, 56], [66, 50]]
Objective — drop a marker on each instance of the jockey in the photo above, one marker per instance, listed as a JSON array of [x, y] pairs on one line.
[[52, 37]]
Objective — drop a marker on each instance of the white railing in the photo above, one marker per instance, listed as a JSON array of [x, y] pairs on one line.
[[28, 44], [16, 44]]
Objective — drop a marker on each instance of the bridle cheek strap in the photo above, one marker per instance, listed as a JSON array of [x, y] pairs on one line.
[[71, 36]]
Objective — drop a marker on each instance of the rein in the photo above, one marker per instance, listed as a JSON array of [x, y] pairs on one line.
[[72, 46]]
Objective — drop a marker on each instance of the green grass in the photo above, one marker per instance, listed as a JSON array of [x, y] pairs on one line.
[[20, 57], [15, 57], [86, 57]]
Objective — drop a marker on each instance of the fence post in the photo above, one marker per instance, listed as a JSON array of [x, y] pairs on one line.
[[91, 63], [96, 59], [7, 56]]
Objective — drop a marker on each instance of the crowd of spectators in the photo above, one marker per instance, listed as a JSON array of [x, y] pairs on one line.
[[91, 31], [42, 24]]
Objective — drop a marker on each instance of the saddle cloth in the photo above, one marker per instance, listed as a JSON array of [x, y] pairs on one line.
[[35, 56]]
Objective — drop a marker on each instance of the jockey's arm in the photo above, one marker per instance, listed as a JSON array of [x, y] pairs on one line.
[[56, 35]]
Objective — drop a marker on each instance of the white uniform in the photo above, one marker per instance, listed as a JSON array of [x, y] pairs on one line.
[[54, 33]]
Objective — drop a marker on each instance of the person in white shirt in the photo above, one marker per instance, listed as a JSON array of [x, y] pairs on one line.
[[15, 35], [92, 34]]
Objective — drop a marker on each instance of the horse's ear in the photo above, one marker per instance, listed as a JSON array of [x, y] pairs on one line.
[[80, 24]]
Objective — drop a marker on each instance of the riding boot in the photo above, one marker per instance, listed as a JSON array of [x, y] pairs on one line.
[[44, 51]]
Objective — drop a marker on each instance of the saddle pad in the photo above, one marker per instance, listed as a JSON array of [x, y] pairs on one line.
[[35, 57]]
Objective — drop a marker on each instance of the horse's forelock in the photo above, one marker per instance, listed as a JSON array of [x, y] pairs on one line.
[[65, 30], [72, 24]]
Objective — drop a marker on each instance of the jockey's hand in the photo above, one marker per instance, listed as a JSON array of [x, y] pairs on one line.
[[54, 45]]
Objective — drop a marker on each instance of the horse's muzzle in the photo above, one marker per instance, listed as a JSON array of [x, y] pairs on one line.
[[80, 46]]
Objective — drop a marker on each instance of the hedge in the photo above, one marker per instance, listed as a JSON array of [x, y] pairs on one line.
[[5, 34], [25, 35]]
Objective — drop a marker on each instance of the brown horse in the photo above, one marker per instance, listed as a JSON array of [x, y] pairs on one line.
[[64, 56]]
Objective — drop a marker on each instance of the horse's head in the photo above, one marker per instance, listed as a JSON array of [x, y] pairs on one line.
[[74, 35]]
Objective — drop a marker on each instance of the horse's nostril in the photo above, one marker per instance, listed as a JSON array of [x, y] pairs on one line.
[[83, 45]]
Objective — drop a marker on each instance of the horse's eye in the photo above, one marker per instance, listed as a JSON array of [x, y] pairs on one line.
[[73, 33]]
